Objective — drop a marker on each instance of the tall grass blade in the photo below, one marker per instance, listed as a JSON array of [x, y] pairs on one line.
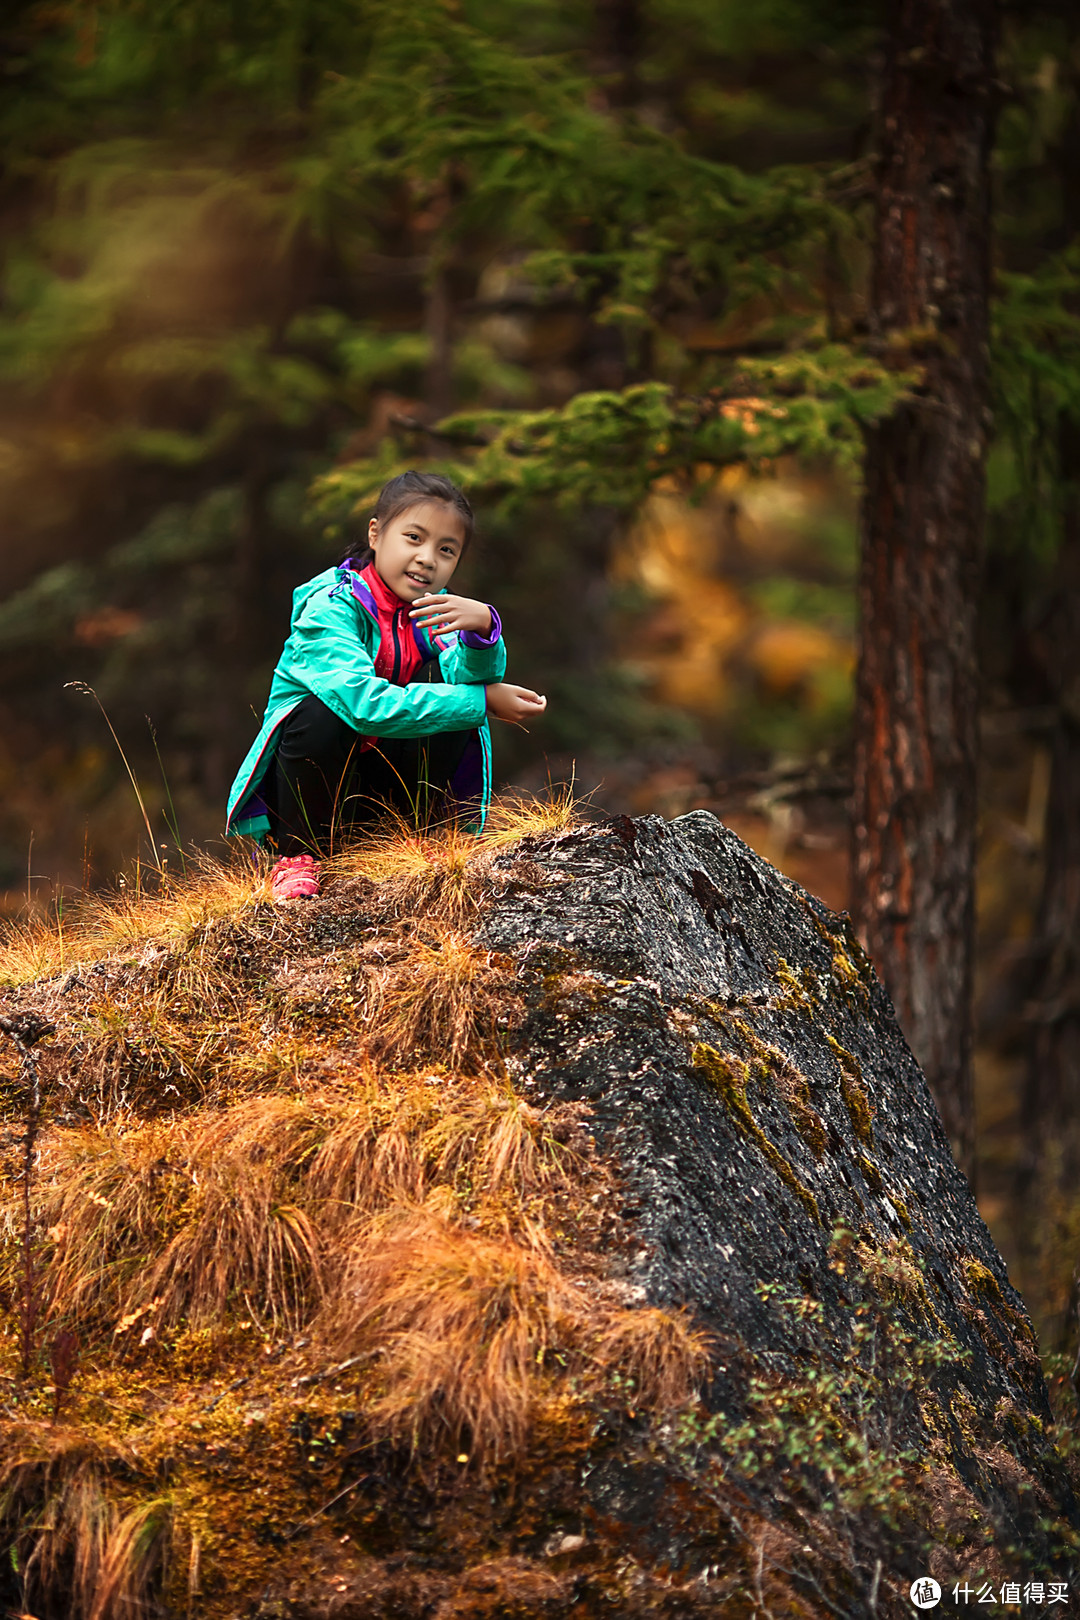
[[88, 691]]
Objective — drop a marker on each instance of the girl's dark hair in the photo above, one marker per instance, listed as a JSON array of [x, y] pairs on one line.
[[409, 489]]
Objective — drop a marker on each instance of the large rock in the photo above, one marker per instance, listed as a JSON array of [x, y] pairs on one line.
[[770, 1126], [365, 1338]]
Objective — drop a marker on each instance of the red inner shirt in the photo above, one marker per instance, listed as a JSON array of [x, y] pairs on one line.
[[398, 657]]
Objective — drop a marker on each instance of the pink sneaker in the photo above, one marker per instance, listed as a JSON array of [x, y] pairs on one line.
[[295, 877]]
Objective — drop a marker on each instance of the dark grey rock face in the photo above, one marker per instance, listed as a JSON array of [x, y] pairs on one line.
[[750, 1082]]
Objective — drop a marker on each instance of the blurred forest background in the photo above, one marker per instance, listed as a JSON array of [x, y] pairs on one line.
[[606, 262]]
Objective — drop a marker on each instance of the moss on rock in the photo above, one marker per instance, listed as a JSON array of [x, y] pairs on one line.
[[731, 1075]]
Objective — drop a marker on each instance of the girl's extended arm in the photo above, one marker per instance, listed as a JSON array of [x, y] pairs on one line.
[[514, 704]]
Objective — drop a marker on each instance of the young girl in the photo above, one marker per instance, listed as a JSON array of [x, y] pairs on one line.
[[352, 725]]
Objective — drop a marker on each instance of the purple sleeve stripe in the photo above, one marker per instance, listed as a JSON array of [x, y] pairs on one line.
[[254, 805], [472, 638]]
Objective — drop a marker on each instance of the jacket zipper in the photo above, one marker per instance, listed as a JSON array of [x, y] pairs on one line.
[[395, 618]]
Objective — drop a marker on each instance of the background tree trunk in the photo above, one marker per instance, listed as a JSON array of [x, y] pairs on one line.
[[1050, 1101], [617, 45], [1050, 1107], [914, 837]]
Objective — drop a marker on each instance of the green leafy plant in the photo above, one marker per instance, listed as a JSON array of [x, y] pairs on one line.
[[841, 1443]]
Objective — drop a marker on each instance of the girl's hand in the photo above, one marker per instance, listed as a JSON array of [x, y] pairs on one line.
[[445, 613], [514, 703]]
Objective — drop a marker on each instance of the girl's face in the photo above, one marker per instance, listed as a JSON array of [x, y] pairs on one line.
[[417, 551]]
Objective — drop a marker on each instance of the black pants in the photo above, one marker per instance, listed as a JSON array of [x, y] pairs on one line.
[[322, 785]]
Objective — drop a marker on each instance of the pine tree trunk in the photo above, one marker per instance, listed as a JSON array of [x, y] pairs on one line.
[[617, 45], [914, 806]]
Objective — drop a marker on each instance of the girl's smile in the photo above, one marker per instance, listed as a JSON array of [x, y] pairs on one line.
[[417, 552]]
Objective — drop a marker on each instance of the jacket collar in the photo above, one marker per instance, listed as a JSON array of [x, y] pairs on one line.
[[373, 594], [370, 590], [388, 600]]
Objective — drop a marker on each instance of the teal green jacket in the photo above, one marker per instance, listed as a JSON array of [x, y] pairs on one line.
[[333, 640]]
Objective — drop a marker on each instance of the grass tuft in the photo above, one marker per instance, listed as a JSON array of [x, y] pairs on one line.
[[75, 1552], [152, 1223], [443, 999], [441, 871], [460, 1324], [400, 1139], [243, 1208], [433, 873], [521, 816], [134, 1559], [31, 950], [213, 889], [657, 1356], [133, 915], [467, 1333]]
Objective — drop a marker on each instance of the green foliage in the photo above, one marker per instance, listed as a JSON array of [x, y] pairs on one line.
[[782, 596], [419, 109], [118, 65], [844, 1436], [611, 449], [49, 610], [1037, 383]]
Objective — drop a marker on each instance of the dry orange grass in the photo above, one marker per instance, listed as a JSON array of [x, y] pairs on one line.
[[75, 1551], [399, 1140], [406, 1219], [244, 1240], [183, 1027], [183, 1024], [439, 998], [469, 1331], [418, 993], [243, 1207], [29, 951], [658, 1357], [429, 873], [103, 1198], [155, 1222], [132, 916], [525, 815], [146, 1053], [461, 1324], [214, 889], [438, 872], [441, 871], [136, 1554]]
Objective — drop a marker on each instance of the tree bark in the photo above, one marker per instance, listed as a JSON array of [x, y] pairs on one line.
[[617, 45], [922, 521]]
